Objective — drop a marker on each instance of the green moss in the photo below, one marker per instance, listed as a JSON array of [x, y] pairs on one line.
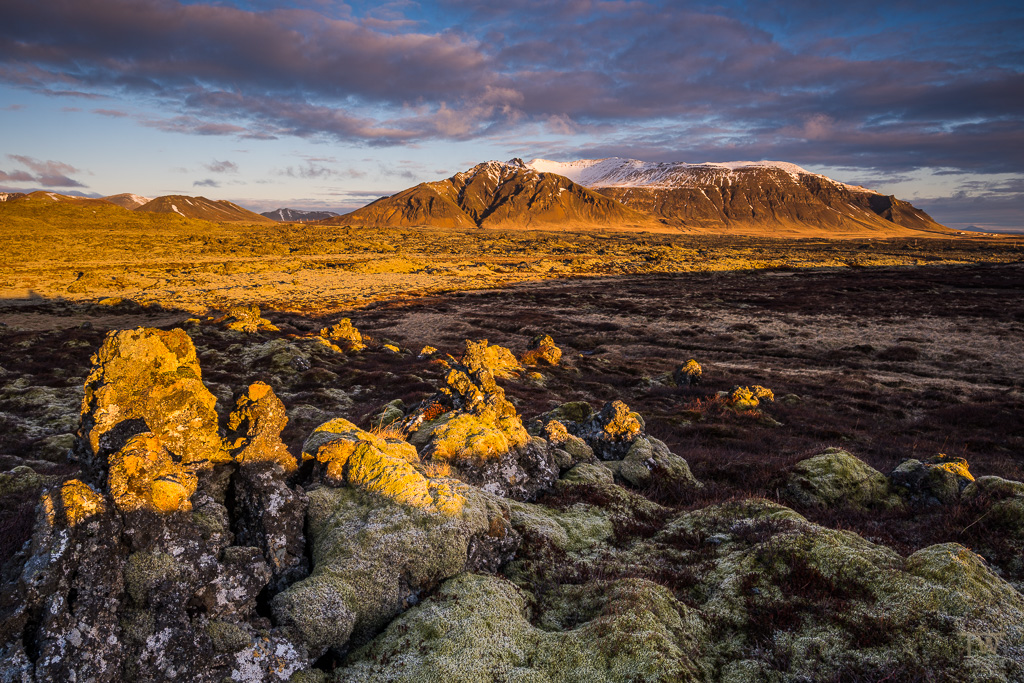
[[143, 571], [476, 628], [227, 637]]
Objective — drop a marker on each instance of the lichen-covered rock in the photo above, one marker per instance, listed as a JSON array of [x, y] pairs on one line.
[[1007, 502], [144, 475], [384, 464], [246, 319], [255, 426], [937, 480], [542, 351], [470, 427], [372, 559], [688, 374], [611, 432], [649, 460], [477, 628], [748, 398], [499, 361], [836, 478], [148, 380], [344, 334], [74, 502]]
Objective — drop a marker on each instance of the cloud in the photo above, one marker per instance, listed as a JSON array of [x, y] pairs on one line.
[[208, 182], [48, 173], [887, 86], [222, 167]]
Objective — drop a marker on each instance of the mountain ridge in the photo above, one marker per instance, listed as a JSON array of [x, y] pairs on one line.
[[766, 198]]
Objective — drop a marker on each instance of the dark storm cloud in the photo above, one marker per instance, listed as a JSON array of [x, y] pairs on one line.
[[889, 86]]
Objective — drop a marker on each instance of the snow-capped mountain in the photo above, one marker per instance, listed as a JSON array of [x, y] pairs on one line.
[[297, 215]]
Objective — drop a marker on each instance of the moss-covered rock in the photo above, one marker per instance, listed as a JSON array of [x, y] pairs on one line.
[[836, 478], [476, 628], [748, 398], [345, 334], [649, 459], [937, 480], [611, 432], [372, 559]]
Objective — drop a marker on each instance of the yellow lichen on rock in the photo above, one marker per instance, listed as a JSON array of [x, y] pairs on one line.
[[345, 333], [75, 501], [749, 398], [378, 463], [255, 428], [151, 375], [144, 475]]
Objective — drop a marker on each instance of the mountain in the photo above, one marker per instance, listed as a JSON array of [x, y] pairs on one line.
[[200, 207], [11, 196], [128, 200], [746, 197], [297, 215], [499, 195]]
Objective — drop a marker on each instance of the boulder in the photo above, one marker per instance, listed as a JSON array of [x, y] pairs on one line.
[[381, 463], [255, 426], [542, 351], [568, 449], [649, 460], [499, 361], [144, 475], [836, 478], [748, 398], [937, 480], [470, 427]]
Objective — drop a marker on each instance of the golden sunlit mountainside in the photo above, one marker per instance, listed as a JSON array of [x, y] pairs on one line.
[[742, 198]]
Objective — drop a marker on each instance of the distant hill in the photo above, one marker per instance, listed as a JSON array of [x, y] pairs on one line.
[[761, 197], [128, 200], [11, 196], [297, 215], [499, 195], [202, 208]]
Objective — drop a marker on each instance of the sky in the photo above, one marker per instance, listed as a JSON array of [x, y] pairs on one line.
[[318, 104]]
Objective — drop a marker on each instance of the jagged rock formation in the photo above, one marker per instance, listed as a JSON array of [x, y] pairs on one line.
[[200, 207], [542, 351], [470, 427], [497, 195]]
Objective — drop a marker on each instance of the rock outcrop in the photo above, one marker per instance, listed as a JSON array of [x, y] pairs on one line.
[[542, 351], [470, 427], [246, 319]]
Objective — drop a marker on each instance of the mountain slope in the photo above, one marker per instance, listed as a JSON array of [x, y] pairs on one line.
[[297, 215], [744, 197], [499, 195], [128, 200], [200, 207]]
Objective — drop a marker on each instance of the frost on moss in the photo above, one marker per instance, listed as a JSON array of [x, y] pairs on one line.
[[476, 628], [373, 558]]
